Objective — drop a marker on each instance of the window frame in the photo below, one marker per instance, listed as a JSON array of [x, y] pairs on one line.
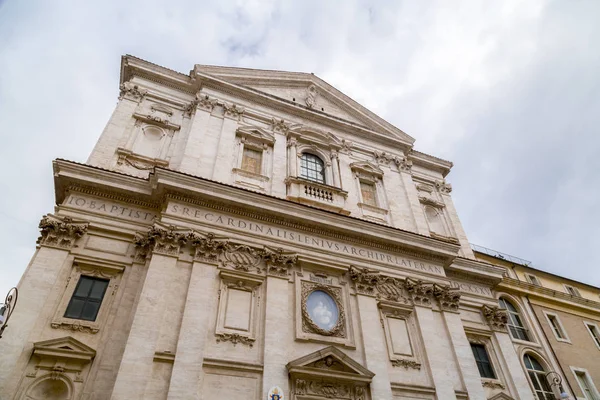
[[575, 292], [249, 148], [523, 328], [373, 185], [534, 280], [576, 371], [540, 376], [488, 360], [563, 332], [92, 267], [321, 163], [594, 325], [87, 299]]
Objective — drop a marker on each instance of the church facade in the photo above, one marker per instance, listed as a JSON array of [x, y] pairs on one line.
[[252, 234]]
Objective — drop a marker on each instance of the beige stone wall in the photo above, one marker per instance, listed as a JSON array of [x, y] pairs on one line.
[[579, 349]]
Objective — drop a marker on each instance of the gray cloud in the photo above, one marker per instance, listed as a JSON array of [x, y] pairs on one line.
[[507, 90]]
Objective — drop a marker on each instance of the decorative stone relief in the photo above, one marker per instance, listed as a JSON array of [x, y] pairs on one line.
[[447, 297], [160, 240], [280, 126], [403, 164], [401, 362], [443, 187], [308, 325], [325, 389], [346, 146], [201, 101], [206, 246], [60, 232], [130, 91], [311, 96], [278, 263], [492, 384], [496, 317], [420, 291], [232, 111], [372, 283], [242, 258], [235, 338], [383, 157], [75, 327]]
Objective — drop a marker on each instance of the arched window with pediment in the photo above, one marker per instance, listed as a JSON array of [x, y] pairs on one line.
[[312, 168], [515, 321], [537, 377]]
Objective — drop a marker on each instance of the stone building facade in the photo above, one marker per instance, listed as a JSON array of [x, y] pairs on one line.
[[248, 234], [559, 321]]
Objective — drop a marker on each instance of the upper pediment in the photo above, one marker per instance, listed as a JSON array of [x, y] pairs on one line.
[[307, 91], [501, 396], [66, 347]]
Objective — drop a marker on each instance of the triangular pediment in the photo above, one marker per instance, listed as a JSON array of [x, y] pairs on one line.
[[329, 362], [366, 167], [64, 347], [256, 133], [307, 91], [501, 396]]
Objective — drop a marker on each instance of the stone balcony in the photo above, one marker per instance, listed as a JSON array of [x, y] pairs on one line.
[[317, 194]]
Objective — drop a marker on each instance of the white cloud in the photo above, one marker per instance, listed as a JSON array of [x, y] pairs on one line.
[[507, 90]]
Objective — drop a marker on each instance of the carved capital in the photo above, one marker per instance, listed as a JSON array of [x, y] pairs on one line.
[[61, 232], [447, 297], [406, 363], [443, 187], [292, 142], [160, 240], [235, 338], [403, 164], [278, 262], [130, 91], [346, 146], [232, 111], [280, 126], [421, 292], [382, 157], [206, 246], [372, 283], [496, 317]]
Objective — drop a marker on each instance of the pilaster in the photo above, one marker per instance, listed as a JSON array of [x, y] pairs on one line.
[[223, 164], [200, 112], [278, 330], [414, 204], [376, 355], [58, 236], [136, 366]]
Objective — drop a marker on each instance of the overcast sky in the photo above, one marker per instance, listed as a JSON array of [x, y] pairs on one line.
[[507, 90]]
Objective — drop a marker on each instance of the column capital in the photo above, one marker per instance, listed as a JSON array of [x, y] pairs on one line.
[[207, 246], [496, 317], [278, 262], [129, 91], [447, 297], [60, 232], [166, 240]]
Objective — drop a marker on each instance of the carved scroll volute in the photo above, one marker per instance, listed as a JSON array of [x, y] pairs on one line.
[[421, 292], [365, 281], [278, 262], [167, 241], [447, 297], [60, 232], [206, 246], [496, 317]]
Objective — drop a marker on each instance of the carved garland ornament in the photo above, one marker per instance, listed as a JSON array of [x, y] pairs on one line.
[[234, 338], [339, 330], [402, 362], [60, 232], [329, 390]]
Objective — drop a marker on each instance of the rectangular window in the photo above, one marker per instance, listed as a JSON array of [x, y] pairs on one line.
[[556, 327], [572, 291], [534, 280], [585, 384], [252, 160], [87, 298], [483, 361], [368, 193], [593, 329]]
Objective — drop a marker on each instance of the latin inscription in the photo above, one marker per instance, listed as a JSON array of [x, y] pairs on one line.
[[110, 208], [475, 289], [213, 218]]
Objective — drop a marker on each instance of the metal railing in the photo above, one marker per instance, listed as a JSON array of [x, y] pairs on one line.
[[500, 255]]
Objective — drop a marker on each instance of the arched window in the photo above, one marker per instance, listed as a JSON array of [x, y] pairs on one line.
[[312, 168], [515, 324], [537, 376]]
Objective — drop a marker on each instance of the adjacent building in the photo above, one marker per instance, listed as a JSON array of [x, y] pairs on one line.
[[254, 234], [554, 323]]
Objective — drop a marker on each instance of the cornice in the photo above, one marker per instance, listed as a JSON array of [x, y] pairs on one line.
[[548, 295], [485, 273], [217, 195], [430, 162]]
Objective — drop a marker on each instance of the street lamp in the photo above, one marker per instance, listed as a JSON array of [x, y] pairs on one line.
[[7, 308]]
